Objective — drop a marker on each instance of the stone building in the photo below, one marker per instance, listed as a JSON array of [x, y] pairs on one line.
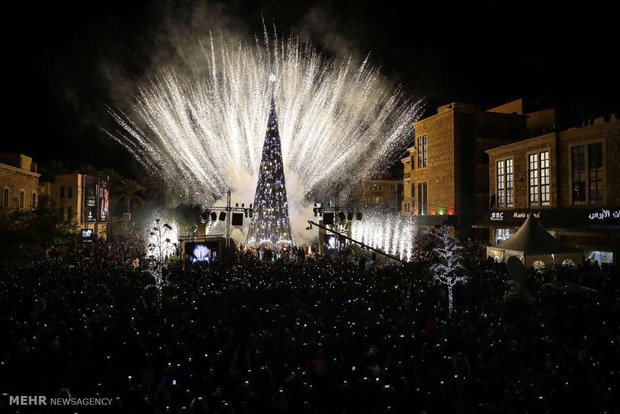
[[82, 199], [19, 182], [446, 170], [570, 180], [378, 190]]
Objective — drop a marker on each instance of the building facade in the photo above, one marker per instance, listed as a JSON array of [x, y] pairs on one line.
[[19, 181], [446, 170], [570, 180], [81, 199], [379, 190]]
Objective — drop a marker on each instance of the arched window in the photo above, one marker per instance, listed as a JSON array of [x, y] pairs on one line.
[[5, 197], [22, 199], [568, 263], [34, 200]]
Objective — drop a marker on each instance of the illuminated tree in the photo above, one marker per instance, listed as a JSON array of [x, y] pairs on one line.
[[447, 270], [271, 222]]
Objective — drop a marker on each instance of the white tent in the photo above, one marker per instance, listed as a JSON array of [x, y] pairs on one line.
[[532, 244]]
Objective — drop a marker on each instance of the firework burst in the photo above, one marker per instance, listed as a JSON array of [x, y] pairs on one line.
[[203, 131]]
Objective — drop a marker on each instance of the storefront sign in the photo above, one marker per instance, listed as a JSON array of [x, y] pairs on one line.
[[604, 214], [524, 214], [497, 216]]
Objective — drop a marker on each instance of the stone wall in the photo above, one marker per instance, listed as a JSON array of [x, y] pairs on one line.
[[17, 179]]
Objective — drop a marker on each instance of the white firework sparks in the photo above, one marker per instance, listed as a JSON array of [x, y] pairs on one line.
[[203, 131], [392, 233]]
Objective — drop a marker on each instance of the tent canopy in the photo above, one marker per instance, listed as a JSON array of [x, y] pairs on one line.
[[533, 239]]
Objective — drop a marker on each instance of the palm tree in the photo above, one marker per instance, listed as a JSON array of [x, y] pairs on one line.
[[130, 191]]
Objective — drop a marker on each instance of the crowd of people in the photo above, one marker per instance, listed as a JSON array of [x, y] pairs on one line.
[[312, 335]]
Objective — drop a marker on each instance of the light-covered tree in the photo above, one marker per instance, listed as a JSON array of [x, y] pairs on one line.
[[448, 269]]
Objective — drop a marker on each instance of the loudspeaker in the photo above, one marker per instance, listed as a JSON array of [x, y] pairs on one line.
[[341, 215], [328, 218], [237, 219], [213, 216], [222, 216], [350, 216]]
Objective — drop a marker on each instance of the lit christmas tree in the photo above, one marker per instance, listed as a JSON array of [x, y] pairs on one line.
[[270, 224]]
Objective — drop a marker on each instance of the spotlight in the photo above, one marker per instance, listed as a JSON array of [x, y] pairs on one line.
[[315, 210], [241, 205], [358, 215], [213, 216], [341, 215], [350, 216], [204, 216], [236, 204], [245, 211], [222, 216]]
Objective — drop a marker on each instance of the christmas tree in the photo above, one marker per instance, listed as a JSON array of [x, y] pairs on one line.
[[270, 224]]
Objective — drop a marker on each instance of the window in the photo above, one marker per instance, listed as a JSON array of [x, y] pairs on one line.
[[533, 179], [69, 214], [69, 192], [501, 184], [392, 187], [34, 200], [377, 187], [422, 198], [578, 167], [545, 185], [413, 161], [413, 190], [539, 184], [595, 172], [62, 192], [505, 183], [568, 263], [422, 151], [5, 197], [509, 184], [22, 199]]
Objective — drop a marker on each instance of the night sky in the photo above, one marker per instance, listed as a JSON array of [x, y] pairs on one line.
[[63, 61]]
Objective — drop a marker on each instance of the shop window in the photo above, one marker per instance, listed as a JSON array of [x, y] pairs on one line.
[[600, 257], [501, 235]]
